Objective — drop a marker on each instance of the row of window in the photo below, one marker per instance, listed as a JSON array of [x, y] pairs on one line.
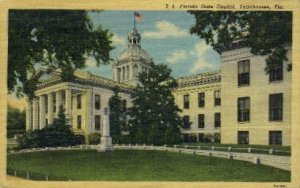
[[275, 137], [201, 121], [97, 103], [201, 99], [275, 73], [275, 108], [97, 125]]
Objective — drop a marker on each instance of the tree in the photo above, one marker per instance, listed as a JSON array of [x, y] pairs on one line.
[[116, 116], [265, 32], [52, 39], [15, 121], [154, 115], [15, 118]]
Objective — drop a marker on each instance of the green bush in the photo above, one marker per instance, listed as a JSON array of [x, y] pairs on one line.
[[52, 136], [58, 134], [12, 132], [94, 138], [79, 139]]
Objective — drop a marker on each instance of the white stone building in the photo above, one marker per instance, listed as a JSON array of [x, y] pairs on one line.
[[255, 108], [85, 98]]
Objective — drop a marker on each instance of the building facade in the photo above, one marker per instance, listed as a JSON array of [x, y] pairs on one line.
[[199, 98], [256, 107], [239, 104]]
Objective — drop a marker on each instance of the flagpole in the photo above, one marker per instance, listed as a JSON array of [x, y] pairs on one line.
[[133, 20]]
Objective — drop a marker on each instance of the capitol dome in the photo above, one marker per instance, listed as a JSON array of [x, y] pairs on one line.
[[132, 60], [134, 52]]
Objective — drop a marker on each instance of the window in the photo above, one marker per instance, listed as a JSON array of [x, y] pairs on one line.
[[186, 101], [243, 137], [217, 98], [275, 107], [97, 122], [201, 99], [217, 120], [186, 122], [63, 97], [97, 102], [243, 72], [276, 73], [78, 122], [243, 109], [54, 102], [135, 71], [78, 101], [127, 68], [201, 120], [123, 73], [46, 103], [275, 138]]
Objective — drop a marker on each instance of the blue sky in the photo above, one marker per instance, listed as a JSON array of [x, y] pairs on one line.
[[165, 36]]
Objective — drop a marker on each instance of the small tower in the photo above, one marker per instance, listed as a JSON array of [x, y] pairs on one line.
[[131, 61]]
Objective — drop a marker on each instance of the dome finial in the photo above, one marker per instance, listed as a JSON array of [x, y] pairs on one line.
[[134, 37]]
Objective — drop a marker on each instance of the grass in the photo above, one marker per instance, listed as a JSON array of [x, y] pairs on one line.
[[130, 165], [285, 150]]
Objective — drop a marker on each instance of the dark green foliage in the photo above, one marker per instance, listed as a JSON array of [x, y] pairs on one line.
[[117, 116], [15, 121], [15, 118], [52, 39], [79, 139], [94, 138], [265, 32], [154, 115], [58, 134]]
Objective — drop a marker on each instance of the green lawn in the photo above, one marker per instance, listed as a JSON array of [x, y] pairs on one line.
[[130, 165], [285, 150]]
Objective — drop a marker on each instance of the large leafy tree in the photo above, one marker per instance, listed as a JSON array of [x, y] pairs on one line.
[[53, 39], [154, 115], [265, 32], [116, 116]]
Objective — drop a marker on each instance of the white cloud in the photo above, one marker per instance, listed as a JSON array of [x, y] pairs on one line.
[[176, 56], [200, 65], [165, 29], [116, 39], [199, 52]]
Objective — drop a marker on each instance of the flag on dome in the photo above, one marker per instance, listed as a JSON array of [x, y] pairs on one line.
[[138, 17]]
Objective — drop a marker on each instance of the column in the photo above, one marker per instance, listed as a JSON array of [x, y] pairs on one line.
[[58, 101], [35, 123], [68, 104], [42, 112], [50, 108], [28, 116]]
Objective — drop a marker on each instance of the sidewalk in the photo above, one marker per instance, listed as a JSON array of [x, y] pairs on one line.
[[282, 162]]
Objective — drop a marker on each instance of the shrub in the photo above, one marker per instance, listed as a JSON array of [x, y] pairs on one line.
[[58, 134], [94, 138], [79, 139]]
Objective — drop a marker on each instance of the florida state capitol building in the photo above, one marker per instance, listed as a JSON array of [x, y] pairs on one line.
[[240, 104]]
